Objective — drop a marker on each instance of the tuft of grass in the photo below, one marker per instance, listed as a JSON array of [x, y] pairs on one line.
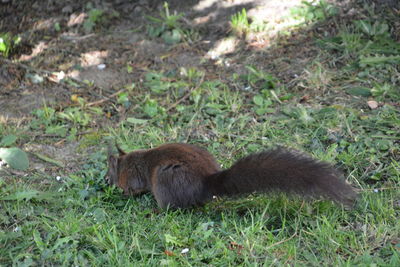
[[8, 44], [240, 24], [313, 11]]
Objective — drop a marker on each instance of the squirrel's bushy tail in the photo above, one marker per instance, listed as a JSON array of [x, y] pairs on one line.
[[282, 170]]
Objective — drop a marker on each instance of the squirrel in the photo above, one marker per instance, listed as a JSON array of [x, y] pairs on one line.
[[183, 175]]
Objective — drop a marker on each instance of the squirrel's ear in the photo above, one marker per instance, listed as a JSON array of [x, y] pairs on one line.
[[121, 152]]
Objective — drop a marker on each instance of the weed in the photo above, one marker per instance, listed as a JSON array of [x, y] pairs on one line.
[[66, 122], [95, 16], [318, 76], [259, 79], [8, 44], [123, 99], [313, 11], [8, 140], [262, 105], [157, 82], [364, 39], [380, 91], [14, 157], [240, 23], [151, 107], [370, 52], [169, 27]]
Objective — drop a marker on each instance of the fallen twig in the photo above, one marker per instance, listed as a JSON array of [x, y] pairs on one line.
[[26, 67], [77, 38], [107, 98], [46, 135]]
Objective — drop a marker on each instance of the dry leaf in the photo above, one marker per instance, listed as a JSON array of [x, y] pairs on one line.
[[372, 104], [235, 246], [304, 98], [169, 253], [74, 98]]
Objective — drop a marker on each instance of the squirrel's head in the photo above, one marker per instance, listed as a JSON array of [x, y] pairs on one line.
[[127, 172], [113, 166]]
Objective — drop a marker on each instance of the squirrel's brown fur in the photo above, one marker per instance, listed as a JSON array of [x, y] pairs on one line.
[[183, 175]]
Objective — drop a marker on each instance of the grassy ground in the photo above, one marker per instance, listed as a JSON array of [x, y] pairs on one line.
[[61, 212]]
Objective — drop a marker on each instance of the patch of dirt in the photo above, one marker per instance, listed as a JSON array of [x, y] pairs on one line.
[[17, 102], [102, 56], [65, 154]]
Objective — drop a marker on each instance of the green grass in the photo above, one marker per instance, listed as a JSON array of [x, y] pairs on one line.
[[240, 23], [77, 220]]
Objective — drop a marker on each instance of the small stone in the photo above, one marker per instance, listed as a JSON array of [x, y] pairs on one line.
[[67, 9], [372, 104]]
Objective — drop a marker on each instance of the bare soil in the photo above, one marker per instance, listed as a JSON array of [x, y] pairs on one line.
[[102, 56]]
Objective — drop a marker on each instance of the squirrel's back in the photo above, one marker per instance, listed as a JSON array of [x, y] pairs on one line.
[[178, 174]]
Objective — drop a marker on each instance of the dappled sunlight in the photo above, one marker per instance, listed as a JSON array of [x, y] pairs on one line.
[[223, 47], [45, 24], [73, 74], [93, 58], [76, 19], [38, 49], [10, 119], [276, 15], [267, 21]]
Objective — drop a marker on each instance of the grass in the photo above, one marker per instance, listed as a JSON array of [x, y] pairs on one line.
[[53, 217]]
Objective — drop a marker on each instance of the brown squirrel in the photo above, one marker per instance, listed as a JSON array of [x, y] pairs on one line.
[[183, 175]]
